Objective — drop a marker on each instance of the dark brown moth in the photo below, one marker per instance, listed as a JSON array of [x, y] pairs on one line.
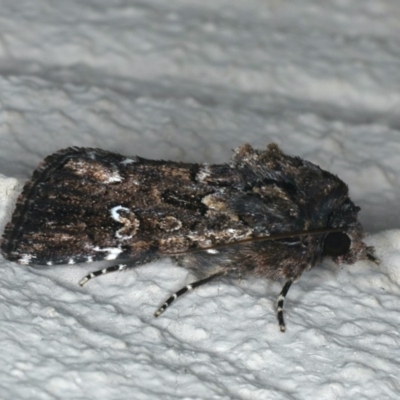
[[264, 213]]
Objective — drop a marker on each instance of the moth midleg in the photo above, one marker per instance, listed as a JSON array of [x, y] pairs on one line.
[[104, 271], [279, 307], [185, 289]]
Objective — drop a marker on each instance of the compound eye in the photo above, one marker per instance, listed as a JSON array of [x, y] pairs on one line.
[[336, 244]]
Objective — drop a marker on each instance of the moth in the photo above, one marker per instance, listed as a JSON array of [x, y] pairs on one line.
[[265, 214]]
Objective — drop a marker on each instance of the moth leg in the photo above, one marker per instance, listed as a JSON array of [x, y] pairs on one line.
[[279, 308], [371, 257], [104, 271], [185, 289]]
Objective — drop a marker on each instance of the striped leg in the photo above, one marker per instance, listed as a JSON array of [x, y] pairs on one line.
[[279, 308], [100, 272], [185, 289]]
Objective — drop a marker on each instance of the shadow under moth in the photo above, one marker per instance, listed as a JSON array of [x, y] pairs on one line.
[[265, 213]]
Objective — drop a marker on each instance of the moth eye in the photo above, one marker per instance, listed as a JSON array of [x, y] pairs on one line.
[[336, 244]]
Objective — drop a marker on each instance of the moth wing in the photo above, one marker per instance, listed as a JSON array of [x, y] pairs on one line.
[[85, 205]]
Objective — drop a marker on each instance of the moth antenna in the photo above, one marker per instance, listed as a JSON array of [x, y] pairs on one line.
[[185, 289], [275, 236], [279, 306], [104, 271]]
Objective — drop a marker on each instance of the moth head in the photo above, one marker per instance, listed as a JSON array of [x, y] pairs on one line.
[[347, 246], [336, 244]]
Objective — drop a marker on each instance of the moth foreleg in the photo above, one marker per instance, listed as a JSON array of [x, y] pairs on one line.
[[185, 289], [279, 307], [104, 271]]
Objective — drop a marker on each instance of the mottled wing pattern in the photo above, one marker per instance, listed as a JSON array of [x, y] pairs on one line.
[[88, 204], [84, 205]]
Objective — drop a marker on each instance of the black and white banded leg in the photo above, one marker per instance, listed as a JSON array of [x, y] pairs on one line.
[[279, 307], [104, 271], [185, 289]]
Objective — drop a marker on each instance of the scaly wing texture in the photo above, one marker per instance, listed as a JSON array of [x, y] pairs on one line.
[[88, 204]]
